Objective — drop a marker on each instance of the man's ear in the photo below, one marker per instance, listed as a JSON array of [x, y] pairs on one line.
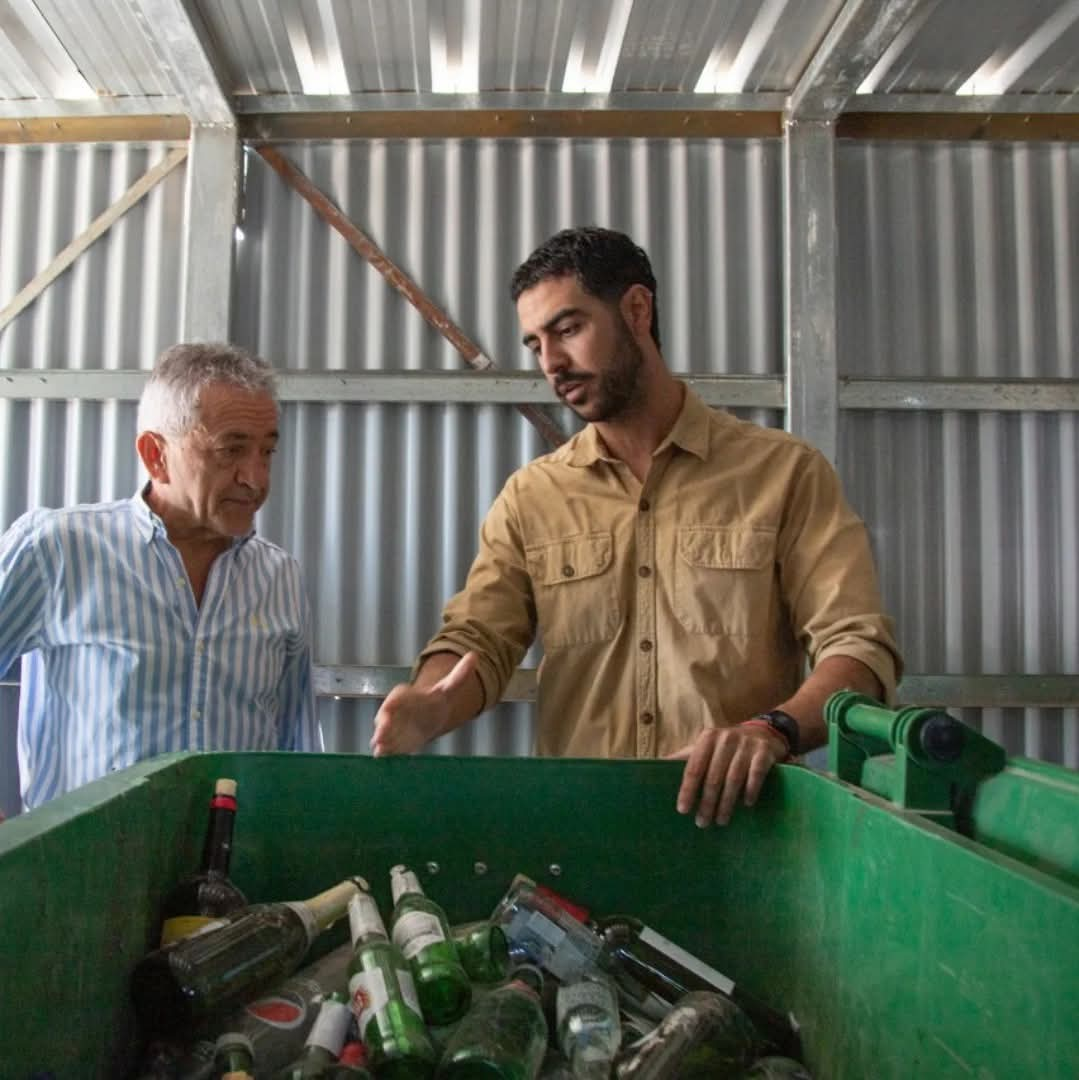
[[151, 448], [636, 306]]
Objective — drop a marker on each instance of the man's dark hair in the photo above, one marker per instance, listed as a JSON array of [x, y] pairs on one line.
[[605, 262]]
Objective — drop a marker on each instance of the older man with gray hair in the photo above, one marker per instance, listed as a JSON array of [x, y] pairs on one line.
[[162, 622]]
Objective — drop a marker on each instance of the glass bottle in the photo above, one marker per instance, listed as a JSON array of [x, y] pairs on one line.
[[482, 949], [177, 987], [503, 1036], [703, 1037], [384, 998], [422, 933], [324, 1042], [208, 894], [351, 1065], [589, 1029], [654, 973], [234, 1057], [544, 933]]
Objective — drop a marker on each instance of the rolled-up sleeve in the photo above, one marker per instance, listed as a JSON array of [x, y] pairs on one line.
[[494, 615], [828, 577]]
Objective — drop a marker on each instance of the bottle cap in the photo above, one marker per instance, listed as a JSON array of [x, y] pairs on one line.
[[233, 1039], [225, 786], [529, 975], [353, 1053]]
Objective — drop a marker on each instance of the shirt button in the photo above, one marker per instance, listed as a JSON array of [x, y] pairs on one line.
[[646, 645], [181, 581], [196, 713], [644, 571], [200, 648], [568, 571], [645, 505], [647, 718]]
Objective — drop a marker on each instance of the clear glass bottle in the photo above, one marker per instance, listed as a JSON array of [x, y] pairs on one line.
[[544, 933], [654, 973], [384, 998], [703, 1037], [503, 1036], [589, 1029], [209, 893], [177, 987], [325, 1041], [419, 928]]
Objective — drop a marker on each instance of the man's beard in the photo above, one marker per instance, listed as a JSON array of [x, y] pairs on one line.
[[618, 388]]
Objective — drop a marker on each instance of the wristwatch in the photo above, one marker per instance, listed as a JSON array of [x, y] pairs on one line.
[[786, 725]]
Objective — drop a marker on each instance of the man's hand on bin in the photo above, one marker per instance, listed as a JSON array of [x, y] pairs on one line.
[[721, 763], [446, 693]]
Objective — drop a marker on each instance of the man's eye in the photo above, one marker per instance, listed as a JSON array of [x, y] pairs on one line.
[[569, 329]]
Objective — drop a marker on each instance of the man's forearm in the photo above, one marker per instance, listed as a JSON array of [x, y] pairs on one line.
[[831, 674], [465, 701]]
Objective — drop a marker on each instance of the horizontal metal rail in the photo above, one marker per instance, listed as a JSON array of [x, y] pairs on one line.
[[944, 691], [513, 388]]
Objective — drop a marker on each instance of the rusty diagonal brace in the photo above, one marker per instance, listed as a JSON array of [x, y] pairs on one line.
[[365, 246]]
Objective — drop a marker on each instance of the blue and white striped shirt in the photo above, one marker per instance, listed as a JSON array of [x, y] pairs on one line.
[[121, 664]]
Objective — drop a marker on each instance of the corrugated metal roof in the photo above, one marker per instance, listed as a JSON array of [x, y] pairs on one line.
[[67, 50]]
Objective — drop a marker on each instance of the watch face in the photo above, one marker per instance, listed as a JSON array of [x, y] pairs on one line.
[[787, 726]]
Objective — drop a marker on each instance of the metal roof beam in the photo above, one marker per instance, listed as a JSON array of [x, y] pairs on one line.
[[175, 30], [858, 38]]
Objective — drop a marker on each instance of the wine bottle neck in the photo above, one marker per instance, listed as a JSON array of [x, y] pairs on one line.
[[404, 882], [327, 907], [217, 849]]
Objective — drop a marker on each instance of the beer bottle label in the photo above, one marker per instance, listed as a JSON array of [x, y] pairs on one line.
[[367, 989], [330, 1027], [415, 930], [408, 991]]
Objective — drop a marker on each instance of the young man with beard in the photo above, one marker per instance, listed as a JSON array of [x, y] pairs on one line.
[[679, 564]]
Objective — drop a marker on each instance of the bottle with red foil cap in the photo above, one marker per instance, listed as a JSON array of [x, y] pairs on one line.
[[351, 1065], [208, 894]]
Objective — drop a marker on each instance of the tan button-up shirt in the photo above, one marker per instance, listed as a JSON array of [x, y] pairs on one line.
[[690, 600]]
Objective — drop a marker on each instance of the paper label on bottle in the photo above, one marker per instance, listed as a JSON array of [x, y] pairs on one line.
[[415, 930], [687, 960], [408, 991], [369, 995], [331, 1027]]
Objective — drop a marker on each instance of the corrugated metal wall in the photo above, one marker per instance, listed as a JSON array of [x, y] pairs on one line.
[[960, 260], [389, 529], [381, 503]]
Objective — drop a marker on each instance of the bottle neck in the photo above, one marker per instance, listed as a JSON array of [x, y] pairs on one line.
[[325, 908], [217, 848], [403, 883], [364, 922]]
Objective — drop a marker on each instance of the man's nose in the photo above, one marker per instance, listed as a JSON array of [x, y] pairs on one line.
[[253, 470], [552, 358]]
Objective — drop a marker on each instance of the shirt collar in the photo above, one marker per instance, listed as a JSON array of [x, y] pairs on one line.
[[149, 523], [690, 433]]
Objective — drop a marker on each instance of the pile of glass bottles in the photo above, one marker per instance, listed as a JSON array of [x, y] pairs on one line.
[[537, 989]]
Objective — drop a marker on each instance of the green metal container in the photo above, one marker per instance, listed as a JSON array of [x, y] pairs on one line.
[[904, 948]]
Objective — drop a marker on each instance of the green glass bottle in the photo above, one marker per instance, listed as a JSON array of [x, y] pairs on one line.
[[503, 1036], [177, 987], [384, 999], [421, 931], [482, 949], [324, 1042], [234, 1057]]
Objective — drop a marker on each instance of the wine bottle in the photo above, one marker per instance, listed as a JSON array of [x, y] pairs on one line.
[[325, 1041], [589, 1029], [704, 1036], [419, 928], [648, 967], [503, 1036], [208, 894], [176, 987], [351, 1065], [384, 998]]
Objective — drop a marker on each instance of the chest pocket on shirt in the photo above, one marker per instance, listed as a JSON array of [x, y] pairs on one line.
[[576, 595], [723, 579]]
